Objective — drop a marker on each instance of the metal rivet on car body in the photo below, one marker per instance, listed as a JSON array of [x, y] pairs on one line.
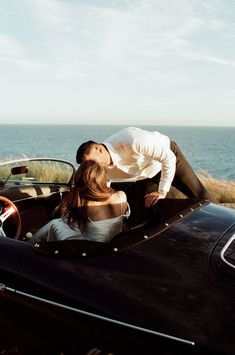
[[115, 249], [83, 254], [166, 224], [145, 237], [56, 252], [191, 209], [181, 215]]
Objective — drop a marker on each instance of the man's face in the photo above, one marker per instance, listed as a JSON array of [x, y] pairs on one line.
[[99, 154]]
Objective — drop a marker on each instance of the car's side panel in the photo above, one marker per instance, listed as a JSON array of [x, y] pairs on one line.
[[164, 285], [12, 254]]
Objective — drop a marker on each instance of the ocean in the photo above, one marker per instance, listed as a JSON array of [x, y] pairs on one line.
[[208, 149]]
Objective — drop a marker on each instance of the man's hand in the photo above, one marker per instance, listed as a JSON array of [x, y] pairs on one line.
[[152, 198]]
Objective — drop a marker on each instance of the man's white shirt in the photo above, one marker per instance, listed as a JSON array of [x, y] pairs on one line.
[[139, 154]]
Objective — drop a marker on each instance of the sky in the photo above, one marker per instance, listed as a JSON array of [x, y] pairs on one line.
[[132, 62]]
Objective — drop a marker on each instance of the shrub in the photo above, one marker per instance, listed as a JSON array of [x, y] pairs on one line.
[[222, 190]]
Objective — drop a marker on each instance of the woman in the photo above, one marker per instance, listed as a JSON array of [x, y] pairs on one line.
[[92, 210]]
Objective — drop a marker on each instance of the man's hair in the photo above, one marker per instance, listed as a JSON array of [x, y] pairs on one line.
[[84, 149]]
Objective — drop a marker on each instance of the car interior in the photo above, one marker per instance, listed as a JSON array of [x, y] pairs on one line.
[[35, 203]]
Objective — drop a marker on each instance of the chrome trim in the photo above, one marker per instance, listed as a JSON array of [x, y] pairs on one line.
[[224, 250], [97, 316], [2, 287]]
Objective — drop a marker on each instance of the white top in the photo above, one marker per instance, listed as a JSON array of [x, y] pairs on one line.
[[99, 231], [139, 154], [105, 229], [56, 229]]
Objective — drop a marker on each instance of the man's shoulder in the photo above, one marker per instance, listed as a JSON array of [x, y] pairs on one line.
[[127, 133]]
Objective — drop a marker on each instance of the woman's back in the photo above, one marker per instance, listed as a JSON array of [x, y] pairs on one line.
[[92, 209], [105, 220]]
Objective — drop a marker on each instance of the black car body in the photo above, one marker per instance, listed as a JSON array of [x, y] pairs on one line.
[[165, 285]]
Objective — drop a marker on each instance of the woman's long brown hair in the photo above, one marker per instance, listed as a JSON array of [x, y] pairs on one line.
[[90, 184]]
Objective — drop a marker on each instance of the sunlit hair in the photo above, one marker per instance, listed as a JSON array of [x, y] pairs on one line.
[[90, 184]]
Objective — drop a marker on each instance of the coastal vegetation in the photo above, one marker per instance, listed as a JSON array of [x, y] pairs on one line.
[[222, 190], [44, 171], [54, 172]]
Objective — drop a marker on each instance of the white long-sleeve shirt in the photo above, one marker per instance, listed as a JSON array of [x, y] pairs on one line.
[[139, 154]]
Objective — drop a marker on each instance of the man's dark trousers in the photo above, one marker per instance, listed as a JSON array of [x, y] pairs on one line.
[[185, 180]]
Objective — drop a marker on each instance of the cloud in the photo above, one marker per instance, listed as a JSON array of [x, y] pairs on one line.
[[13, 52], [9, 48], [197, 56], [82, 39]]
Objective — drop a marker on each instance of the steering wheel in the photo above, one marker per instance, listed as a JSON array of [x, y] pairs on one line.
[[9, 210]]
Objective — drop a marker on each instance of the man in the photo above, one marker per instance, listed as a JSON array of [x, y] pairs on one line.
[[137, 154]]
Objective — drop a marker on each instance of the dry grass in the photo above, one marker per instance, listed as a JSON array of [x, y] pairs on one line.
[[41, 171], [222, 190]]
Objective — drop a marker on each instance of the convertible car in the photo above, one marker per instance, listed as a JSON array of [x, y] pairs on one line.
[[165, 285]]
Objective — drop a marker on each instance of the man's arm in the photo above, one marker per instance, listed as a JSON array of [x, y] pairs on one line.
[[155, 146]]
